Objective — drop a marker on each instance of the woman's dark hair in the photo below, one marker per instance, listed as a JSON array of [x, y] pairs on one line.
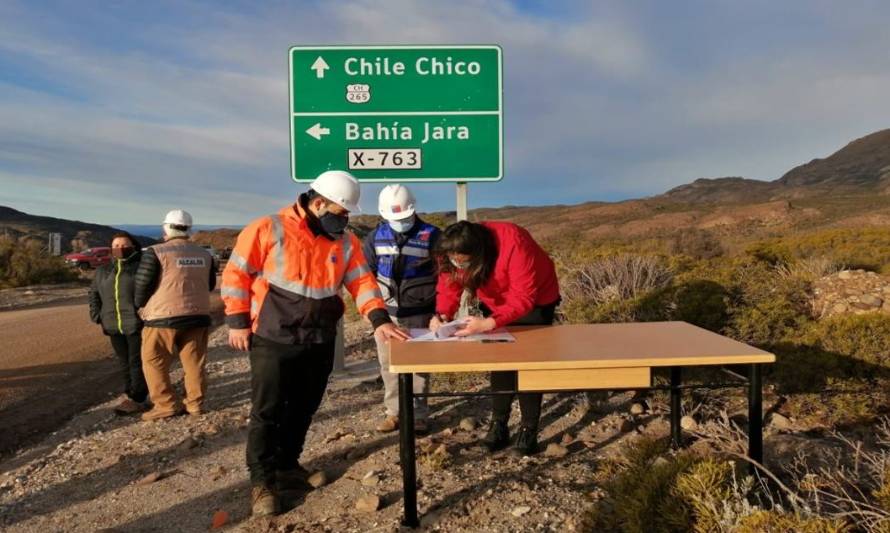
[[473, 240], [126, 235]]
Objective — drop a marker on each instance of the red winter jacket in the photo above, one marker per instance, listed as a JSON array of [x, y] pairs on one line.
[[524, 277]]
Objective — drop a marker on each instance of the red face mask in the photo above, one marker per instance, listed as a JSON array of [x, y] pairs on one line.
[[122, 253]]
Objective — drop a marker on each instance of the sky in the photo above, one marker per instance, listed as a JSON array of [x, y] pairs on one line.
[[115, 112]]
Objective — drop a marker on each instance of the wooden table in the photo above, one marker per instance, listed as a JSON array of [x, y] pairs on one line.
[[573, 358]]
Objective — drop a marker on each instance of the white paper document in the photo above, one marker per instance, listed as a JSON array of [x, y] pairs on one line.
[[446, 333]]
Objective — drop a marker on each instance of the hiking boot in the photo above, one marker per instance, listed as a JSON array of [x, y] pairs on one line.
[[128, 407], [421, 427], [293, 479], [526, 441], [263, 501], [196, 411], [498, 436], [389, 424], [157, 414]]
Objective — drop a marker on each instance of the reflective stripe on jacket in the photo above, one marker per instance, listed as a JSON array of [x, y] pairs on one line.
[[283, 280], [112, 297]]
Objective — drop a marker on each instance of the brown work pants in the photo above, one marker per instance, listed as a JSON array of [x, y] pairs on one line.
[[158, 348]]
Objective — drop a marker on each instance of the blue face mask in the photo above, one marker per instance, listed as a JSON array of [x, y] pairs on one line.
[[402, 226]]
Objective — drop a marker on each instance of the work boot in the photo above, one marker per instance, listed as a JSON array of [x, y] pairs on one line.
[[156, 414], [498, 435], [293, 479], [526, 441], [263, 501], [128, 407], [389, 424]]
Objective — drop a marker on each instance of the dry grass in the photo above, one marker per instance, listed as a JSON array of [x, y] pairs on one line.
[[620, 277], [810, 268], [845, 488]]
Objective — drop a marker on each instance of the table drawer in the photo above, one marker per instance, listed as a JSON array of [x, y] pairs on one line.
[[585, 378]]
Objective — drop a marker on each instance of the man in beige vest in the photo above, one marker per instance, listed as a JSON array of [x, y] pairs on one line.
[[173, 284]]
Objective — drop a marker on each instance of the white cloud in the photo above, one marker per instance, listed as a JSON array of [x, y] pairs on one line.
[[596, 101]]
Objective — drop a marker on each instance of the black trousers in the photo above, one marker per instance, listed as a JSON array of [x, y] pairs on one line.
[[128, 349], [529, 403], [287, 384]]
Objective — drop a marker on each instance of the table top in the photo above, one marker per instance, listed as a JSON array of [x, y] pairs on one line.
[[638, 344]]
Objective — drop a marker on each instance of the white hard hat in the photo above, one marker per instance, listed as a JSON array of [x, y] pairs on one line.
[[178, 217], [396, 202], [339, 187]]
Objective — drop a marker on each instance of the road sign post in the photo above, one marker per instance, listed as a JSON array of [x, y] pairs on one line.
[[462, 201], [397, 113]]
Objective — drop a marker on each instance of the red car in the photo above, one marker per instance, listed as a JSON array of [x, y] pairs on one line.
[[89, 258]]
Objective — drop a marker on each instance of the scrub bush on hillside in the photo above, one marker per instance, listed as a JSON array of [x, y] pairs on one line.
[[615, 288], [647, 490], [25, 262], [866, 248]]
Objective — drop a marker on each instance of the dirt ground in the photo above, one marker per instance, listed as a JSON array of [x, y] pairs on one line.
[[54, 362], [91, 474], [36, 295]]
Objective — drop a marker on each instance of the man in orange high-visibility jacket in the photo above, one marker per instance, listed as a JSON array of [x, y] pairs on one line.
[[281, 289]]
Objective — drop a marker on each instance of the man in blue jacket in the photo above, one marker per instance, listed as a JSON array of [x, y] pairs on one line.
[[399, 253]]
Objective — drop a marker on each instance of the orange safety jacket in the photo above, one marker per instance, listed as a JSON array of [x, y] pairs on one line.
[[284, 277]]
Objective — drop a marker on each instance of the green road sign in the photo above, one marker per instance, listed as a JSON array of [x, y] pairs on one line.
[[397, 113]]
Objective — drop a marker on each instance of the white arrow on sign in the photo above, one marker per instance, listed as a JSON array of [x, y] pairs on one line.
[[317, 131], [319, 67]]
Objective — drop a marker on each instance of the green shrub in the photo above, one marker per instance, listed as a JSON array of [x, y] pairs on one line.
[[640, 491], [865, 337], [703, 303], [804, 368], [648, 491], [25, 262], [769, 521], [867, 248], [767, 308]]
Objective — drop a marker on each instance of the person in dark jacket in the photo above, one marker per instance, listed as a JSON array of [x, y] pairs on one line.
[[399, 254], [514, 281], [112, 306], [173, 284]]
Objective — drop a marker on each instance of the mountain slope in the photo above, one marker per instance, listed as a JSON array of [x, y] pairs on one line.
[[862, 164], [860, 167], [75, 233]]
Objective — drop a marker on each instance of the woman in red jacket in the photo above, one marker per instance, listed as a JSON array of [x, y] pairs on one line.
[[514, 281]]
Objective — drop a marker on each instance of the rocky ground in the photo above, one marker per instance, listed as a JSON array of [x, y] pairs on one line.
[[101, 472], [851, 292]]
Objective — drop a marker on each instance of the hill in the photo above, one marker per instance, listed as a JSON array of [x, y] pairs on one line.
[[75, 233], [850, 188], [156, 232], [860, 167], [863, 164]]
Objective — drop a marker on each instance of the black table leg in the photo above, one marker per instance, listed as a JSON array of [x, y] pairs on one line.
[[755, 415], [406, 449], [676, 397]]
